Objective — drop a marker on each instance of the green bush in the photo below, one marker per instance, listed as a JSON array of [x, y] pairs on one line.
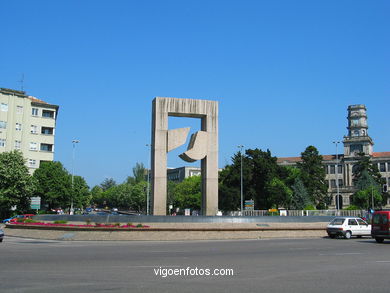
[[60, 222], [28, 221], [310, 208], [117, 224], [139, 226], [129, 224], [88, 221]]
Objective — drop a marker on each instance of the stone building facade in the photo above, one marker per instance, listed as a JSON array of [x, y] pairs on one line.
[[27, 124], [339, 168]]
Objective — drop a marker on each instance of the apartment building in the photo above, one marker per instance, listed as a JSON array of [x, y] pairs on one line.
[[27, 124], [339, 168]]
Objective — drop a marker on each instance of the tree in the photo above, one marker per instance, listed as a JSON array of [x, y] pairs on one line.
[[368, 190], [364, 197], [300, 198], [107, 184], [54, 184], [187, 194], [313, 176], [81, 194], [364, 168], [279, 194], [16, 184], [259, 170], [97, 197], [139, 172]]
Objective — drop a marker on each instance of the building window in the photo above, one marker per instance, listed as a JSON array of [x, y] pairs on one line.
[[355, 133], [34, 111], [3, 124], [333, 183], [18, 144], [356, 148], [2, 142], [332, 169], [4, 107], [341, 183], [19, 109], [340, 169], [47, 130], [354, 122], [47, 114], [33, 146], [326, 169], [18, 126], [34, 129], [32, 163], [382, 167], [46, 147]]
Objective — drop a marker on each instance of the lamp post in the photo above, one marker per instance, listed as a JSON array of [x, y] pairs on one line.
[[337, 177], [148, 186], [241, 183], [74, 142]]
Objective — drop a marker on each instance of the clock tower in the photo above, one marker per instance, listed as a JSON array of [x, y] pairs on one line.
[[357, 141]]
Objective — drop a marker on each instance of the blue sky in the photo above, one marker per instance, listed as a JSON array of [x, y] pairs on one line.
[[284, 72]]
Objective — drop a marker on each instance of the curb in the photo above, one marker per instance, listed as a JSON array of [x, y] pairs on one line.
[[112, 229]]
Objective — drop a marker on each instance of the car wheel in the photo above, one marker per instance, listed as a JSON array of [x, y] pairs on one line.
[[348, 235], [1, 240], [359, 236], [379, 240]]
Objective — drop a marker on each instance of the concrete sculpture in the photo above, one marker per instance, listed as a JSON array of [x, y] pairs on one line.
[[203, 146]]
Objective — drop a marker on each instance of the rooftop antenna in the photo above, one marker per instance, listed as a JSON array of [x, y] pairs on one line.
[[22, 83]]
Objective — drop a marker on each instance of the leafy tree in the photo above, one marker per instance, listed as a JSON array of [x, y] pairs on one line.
[[300, 197], [16, 184], [107, 184], [279, 194], [313, 176], [97, 197], [363, 198], [139, 172], [54, 184], [259, 170], [81, 194], [368, 189], [187, 194]]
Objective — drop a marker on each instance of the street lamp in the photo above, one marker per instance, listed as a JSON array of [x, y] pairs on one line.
[[337, 177], [74, 142], [242, 194], [148, 187]]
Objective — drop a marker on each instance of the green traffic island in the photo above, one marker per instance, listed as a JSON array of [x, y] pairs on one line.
[[62, 225]]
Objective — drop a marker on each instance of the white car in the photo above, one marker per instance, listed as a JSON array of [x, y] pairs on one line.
[[348, 227]]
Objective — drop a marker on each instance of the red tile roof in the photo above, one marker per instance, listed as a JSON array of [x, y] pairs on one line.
[[381, 154], [329, 157]]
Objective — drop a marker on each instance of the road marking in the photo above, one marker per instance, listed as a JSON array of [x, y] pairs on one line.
[[340, 254], [384, 261]]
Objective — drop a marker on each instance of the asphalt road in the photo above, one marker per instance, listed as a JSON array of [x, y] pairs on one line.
[[283, 265]]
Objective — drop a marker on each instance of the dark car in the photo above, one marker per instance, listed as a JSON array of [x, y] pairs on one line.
[[380, 228], [1, 235]]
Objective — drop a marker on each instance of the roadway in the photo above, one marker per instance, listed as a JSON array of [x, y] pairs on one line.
[[267, 265]]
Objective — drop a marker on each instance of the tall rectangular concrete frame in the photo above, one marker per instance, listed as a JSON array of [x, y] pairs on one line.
[[207, 111]]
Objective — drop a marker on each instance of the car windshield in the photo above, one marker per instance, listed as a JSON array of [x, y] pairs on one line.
[[338, 221]]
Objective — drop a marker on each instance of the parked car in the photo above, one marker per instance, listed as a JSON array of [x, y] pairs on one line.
[[1, 235], [348, 227], [380, 229], [18, 217]]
